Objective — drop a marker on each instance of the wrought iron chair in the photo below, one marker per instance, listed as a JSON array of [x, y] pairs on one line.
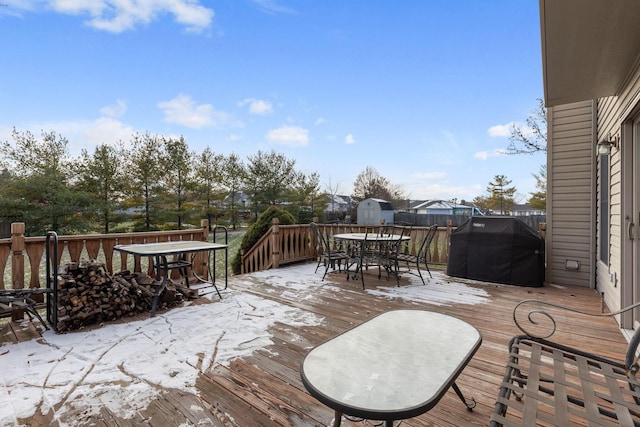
[[404, 257], [389, 251], [549, 383], [366, 254], [327, 253]]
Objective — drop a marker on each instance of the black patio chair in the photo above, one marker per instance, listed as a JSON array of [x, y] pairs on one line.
[[406, 258], [389, 250], [327, 254]]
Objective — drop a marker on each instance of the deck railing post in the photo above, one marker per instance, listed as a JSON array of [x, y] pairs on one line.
[[275, 243], [17, 262], [204, 224], [17, 255]]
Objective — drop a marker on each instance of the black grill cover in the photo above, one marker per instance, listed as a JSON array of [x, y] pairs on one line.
[[497, 249]]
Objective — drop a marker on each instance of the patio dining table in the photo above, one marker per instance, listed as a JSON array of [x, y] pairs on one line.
[[363, 242], [394, 366]]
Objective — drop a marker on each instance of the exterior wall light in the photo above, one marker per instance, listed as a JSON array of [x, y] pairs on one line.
[[604, 146]]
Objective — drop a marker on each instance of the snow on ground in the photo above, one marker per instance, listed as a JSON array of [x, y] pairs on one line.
[[301, 282], [125, 366]]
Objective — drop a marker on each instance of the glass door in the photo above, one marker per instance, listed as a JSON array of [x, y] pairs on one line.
[[633, 223]]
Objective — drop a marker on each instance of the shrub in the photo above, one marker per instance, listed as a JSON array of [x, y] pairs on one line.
[[258, 229]]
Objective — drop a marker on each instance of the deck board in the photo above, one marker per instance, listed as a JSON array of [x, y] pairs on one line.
[[264, 388]]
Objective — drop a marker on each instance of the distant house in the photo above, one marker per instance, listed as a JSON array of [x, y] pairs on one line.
[[525, 210], [239, 198], [338, 204], [375, 212], [442, 207]]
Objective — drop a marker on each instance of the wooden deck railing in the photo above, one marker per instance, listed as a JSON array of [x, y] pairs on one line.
[[285, 244], [282, 245], [76, 248]]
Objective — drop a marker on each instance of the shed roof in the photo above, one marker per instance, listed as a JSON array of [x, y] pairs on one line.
[[384, 205]]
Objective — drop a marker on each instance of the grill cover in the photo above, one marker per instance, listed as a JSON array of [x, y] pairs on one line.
[[497, 249]]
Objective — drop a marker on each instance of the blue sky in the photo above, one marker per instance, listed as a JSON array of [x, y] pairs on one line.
[[422, 91]]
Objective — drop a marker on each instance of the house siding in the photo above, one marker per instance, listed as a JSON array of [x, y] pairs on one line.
[[571, 193], [612, 112]]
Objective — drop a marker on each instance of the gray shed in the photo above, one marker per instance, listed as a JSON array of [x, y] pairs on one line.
[[374, 211]]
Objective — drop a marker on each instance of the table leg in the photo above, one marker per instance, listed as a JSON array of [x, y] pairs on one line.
[[211, 271], [469, 405], [160, 269], [337, 420]]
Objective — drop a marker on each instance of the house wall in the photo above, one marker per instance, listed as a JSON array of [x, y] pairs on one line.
[[571, 193], [614, 279]]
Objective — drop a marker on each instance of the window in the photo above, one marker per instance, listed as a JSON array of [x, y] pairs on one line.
[[603, 248]]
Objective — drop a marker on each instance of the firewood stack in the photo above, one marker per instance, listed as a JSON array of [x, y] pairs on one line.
[[88, 294]]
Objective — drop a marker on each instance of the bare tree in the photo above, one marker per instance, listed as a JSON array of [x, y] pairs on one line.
[[369, 183], [532, 138], [332, 191]]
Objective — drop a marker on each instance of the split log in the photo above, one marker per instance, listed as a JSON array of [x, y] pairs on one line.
[[88, 294]]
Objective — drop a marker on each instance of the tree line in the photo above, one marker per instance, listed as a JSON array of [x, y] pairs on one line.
[[152, 183]]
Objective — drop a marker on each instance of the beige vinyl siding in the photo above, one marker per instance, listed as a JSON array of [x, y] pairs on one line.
[[612, 112], [570, 192]]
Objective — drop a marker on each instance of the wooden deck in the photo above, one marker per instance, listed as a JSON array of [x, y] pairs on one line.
[[264, 388]]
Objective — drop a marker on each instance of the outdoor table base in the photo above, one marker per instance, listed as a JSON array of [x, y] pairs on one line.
[[160, 252]]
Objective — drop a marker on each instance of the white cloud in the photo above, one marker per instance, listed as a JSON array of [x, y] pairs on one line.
[[430, 175], [184, 111], [445, 191], [82, 134], [500, 131], [293, 136], [106, 130], [503, 131], [484, 155], [116, 110], [271, 7], [234, 137], [321, 121], [349, 139], [258, 106], [117, 16]]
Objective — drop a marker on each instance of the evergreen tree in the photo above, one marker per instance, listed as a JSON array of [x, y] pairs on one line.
[[39, 187], [145, 172], [102, 175], [501, 196], [233, 177], [208, 176], [539, 198], [177, 177]]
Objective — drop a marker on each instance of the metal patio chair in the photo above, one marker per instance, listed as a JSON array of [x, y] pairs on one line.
[[405, 258], [328, 255]]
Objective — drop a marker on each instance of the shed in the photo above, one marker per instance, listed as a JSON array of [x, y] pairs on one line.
[[374, 211], [498, 249]]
